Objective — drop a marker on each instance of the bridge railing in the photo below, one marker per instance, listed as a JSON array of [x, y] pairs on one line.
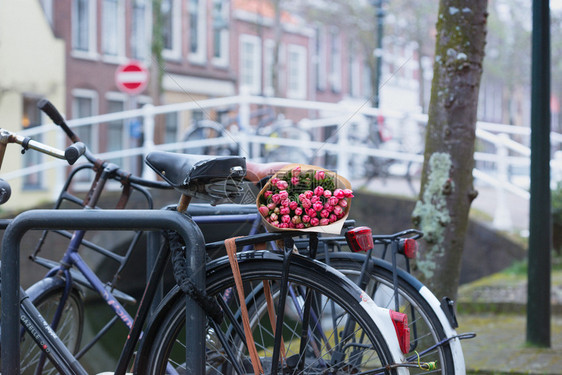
[[502, 152]]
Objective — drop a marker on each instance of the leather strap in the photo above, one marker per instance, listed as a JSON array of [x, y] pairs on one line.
[[125, 195], [230, 245]]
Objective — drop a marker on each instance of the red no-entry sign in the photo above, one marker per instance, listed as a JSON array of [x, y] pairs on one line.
[[131, 78]]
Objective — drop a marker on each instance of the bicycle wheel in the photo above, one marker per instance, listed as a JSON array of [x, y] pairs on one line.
[[282, 153], [326, 348], [46, 295], [206, 130], [426, 327]]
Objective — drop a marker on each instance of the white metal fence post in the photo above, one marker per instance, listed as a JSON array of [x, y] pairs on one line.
[[148, 144], [502, 216], [244, 123]]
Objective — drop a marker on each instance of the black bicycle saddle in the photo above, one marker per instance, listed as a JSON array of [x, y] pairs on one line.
[[183, 170]]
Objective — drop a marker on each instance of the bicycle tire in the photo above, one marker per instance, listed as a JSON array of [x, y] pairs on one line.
[[207, 129], [281, 153], [165, 330], [431, 327], [45, 295]]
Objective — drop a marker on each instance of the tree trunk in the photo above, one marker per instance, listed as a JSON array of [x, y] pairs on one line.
[[447, 184]]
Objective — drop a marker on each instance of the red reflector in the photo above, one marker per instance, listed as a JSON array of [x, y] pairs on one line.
[[409, 247], [360, 239], [402, 330]]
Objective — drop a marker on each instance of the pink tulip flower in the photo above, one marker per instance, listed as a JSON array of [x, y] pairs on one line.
[[264, 211]]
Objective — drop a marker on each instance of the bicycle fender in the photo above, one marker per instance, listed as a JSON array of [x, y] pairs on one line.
[[455, 343], [379, 315], [44, 285], [430, 298], [383, 321]]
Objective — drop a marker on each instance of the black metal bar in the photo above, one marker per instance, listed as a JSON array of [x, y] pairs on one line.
[[540, 231], [284, 288], [4, 223], [152, 247], [152, 285], [258, 238], [97, 220], [97, 337]]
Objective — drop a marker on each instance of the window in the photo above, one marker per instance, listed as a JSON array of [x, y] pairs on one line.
[[250, 66], [170, 12], [139, 38], [367, 92], [116, 131], [171, 132], [220, 32], [335, 60], [84, 104], [113, 30], [31, 117], [197, 27], [353, 74], [83, 27], [268, 59], [296, 85], [320, 60]]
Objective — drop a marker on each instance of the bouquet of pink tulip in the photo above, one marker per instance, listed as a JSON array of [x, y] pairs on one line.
[[302, 197]]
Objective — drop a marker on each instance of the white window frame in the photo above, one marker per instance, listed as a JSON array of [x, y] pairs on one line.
[[119, 35], [224, 37], [147, 31], [200, 56], [174, 53], [297, 72], [91, 52], [254, 87]]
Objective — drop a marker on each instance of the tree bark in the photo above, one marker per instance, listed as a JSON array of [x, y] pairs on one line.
[[447, 185]]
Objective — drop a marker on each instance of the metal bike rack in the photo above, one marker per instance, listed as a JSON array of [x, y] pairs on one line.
[[98, 220]]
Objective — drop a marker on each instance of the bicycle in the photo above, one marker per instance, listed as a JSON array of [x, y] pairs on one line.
[[343, 264], [269, 126], [432, 322], [428, 316], [265, 261]]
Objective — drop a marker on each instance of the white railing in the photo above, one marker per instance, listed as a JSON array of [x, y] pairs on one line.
[[506, 152]]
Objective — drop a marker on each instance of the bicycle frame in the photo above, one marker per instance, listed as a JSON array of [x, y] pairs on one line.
[[72, 258], [93, 220]]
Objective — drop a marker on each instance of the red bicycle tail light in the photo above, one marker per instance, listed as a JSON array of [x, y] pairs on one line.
[[360, 239], [408, 247], [402, 330]]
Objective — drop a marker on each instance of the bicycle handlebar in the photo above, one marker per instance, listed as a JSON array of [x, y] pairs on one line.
[[53, 113], [74, 151], [78, 149], [5, 191]]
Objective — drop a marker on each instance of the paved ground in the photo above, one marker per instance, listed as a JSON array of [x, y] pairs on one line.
[[499, 347], [494, 308]]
